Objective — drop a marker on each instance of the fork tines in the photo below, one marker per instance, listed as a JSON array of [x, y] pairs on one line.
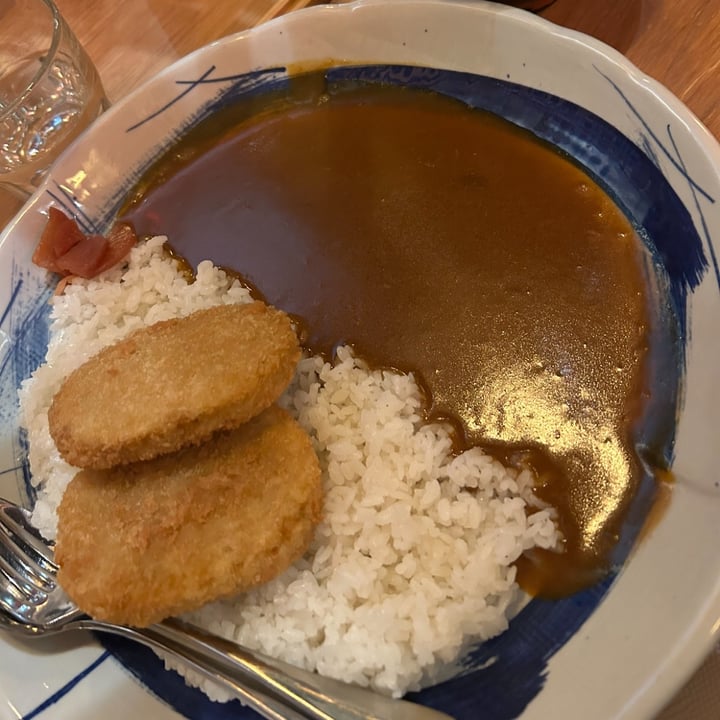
[[27, 567]]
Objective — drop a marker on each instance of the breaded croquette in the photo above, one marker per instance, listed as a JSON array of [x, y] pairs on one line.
[[141, 542], [174, 384]]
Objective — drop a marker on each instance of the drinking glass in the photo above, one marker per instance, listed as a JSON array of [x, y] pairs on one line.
[[49, 92]]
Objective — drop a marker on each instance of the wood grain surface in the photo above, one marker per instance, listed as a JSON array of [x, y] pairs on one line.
[[677, 42]]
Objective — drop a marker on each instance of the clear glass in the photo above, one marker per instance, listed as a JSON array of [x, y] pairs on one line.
[[49, 91]]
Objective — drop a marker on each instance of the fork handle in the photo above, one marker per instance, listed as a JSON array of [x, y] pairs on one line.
[[277, 690], [267, 706], [314, 696]]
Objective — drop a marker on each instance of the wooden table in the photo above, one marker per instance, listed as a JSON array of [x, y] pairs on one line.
[[675, 41]]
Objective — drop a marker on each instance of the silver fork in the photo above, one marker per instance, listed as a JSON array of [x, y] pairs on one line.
[[32, 604]]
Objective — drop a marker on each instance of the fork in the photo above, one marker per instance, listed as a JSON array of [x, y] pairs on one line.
[[33, 605]]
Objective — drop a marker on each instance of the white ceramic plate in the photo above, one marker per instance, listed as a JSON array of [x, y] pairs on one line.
[[617, 651]]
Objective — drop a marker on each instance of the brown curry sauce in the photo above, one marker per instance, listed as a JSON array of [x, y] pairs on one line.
[[444, 241]]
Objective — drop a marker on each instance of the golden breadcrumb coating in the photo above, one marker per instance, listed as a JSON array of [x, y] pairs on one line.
[[141, 542], [174, 384]]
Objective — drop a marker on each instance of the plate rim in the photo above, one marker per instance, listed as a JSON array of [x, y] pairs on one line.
[[665, 96]]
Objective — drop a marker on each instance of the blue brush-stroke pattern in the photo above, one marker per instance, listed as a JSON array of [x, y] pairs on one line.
[[192, 85], [9, 470], [230, 87], [647, 145], [68, 201], [25, 320], [503, 688], [13, 297], [240, 82], [696, 199], [677, 161], [65, 689]]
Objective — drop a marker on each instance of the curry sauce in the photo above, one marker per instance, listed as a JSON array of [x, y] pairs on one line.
[[444, 241]]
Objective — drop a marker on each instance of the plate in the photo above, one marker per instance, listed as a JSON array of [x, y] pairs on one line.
[[617, 650]]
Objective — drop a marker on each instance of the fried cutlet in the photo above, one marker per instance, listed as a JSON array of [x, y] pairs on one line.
[[173, 384], [141, 542]]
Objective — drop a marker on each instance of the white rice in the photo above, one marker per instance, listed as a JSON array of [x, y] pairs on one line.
[[414, 558]]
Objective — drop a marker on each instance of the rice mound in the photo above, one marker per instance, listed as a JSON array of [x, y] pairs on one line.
[[414, 558]]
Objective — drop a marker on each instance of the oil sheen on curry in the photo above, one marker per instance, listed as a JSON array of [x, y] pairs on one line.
[[441, 240]]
